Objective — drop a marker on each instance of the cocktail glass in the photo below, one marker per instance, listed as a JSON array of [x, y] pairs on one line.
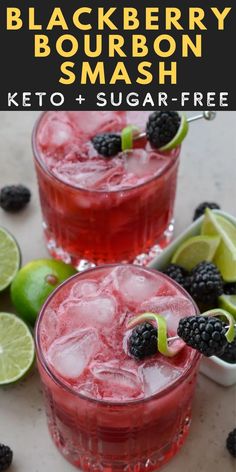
[[106, 411], [98, 210]]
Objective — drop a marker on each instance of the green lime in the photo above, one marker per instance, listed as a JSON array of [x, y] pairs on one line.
[[127, 137], [195, 250], [179, 137], [34, 283], [162, 340], [9, 258], [225, 257], [228, 303], [16, 348]]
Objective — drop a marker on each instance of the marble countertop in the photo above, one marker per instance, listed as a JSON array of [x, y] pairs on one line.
[[207, 172]]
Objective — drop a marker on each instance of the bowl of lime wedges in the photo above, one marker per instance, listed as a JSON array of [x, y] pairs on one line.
[[211, 238]]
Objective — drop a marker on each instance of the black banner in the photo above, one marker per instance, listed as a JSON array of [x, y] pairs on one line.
[[91, 55]]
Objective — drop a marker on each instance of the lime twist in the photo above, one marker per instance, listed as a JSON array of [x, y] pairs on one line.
[[162, 340], [177, 343]]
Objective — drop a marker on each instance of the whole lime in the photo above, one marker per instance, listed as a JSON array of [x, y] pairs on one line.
[[34, 283]]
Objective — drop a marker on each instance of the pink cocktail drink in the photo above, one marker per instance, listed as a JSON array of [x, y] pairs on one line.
[[99, 209], [107, 411]]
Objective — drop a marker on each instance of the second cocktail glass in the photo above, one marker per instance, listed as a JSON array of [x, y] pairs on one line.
[[98, 210]]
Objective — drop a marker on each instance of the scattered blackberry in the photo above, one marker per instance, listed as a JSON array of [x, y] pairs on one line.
[[14, 198], [229, 354], [205, 284], [143, 341], [161, 127], [231, 442], [107, 144], [176, 273], [230, 288], [206, 334], [6, 455], [200, 210]]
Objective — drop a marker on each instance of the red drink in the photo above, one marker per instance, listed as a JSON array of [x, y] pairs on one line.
[[98, 209], [106, 411]]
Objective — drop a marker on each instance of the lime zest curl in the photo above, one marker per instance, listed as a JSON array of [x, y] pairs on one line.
[[162, 338], [179, 137], [127, 136], [230, 333]]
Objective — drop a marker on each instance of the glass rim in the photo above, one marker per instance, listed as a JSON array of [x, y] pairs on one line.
[[42, 360], [45, 169]]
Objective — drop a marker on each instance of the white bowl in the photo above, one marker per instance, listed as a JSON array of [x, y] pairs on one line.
[[213, 367]]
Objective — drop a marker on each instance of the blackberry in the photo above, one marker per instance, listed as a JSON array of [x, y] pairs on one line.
[[176, 273], [143, 341], [107, 144], [6, 455], [161, 127], [229, 354], [230, 288], [205, 334], [200, 210], [14, 198], [231, 442], [205, 284]]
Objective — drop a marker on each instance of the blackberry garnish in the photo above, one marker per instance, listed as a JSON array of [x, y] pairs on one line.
[[205, 334], [205, 284], [108, 144], [6, 455], [177, 273], [231, 442], [230, 288], [143, 341], [229, 354], [161, 127], [14, 198], [200, 210]]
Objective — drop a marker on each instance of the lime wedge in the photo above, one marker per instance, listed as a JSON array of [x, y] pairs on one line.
[[9, 258], [195, 250], [16, 349], [225, 257], [179, 137], [228, 303]]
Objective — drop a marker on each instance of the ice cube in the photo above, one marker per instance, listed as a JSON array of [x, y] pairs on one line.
[[95, 310], [95, 122], [117, 382], [84, 288], [55, 132], [70, 354], [135, 285], [172, 308], [158, 376]]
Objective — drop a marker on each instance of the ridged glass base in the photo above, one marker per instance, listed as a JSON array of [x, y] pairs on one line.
[[142, 464], [83, 264]]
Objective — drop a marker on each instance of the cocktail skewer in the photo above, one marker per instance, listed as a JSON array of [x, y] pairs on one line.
[[207, 115]]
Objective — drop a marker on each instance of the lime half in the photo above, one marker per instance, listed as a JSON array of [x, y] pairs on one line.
[[228, 303], [179, 137], [225, 257], [195, 250], [9, 258], [17, 351]]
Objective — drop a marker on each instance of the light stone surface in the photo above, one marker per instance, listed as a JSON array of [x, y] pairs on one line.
[[207, 172]]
